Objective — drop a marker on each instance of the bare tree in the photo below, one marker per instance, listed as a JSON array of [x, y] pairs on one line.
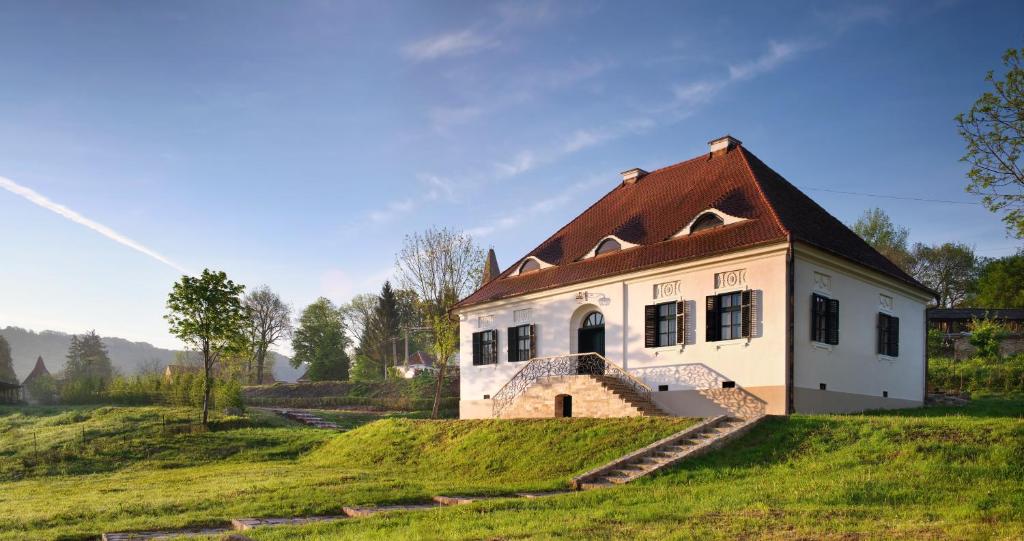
[[950, 269], [269, 321], [358, 313], [441, 266]]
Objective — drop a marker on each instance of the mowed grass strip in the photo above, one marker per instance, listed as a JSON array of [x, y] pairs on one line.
[[278, 468], [934, 473]]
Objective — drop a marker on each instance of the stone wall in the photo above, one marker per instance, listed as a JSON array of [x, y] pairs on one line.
[[589, 399], [1008, 346]]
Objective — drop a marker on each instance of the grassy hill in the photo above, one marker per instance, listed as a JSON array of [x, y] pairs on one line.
[[130, 471], [937, 473]]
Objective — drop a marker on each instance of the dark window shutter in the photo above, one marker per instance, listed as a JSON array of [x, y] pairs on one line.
[[650, 326], [747, 315], [833, 321], [533, 341], [513, 344], [494, 346], [681, 322], [477, 349], [881, 334], [814, 318], [894, 336], [711, 319]]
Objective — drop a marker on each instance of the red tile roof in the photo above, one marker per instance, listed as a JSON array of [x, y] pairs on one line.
[[659, 205]]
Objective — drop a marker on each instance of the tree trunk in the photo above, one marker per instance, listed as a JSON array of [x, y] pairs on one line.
[[261, 355], [207, 383], [437, 390]]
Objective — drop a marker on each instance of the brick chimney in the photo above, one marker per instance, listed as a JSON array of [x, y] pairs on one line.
[[630, 176], [723, 144]]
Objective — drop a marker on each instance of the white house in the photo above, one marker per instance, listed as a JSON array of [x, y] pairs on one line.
[[706, 287]]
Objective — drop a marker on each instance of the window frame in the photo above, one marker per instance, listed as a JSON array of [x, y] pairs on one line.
[[485, 347], [704, 218], [888, 335], [523, 332], [607, 242], [666, 338], [534, 268], [735, 311], [824, 320]]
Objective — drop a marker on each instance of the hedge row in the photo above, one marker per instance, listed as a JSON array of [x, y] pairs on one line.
[[387, 404]]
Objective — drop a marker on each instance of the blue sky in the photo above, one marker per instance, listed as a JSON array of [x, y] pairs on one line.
[[295, 143]]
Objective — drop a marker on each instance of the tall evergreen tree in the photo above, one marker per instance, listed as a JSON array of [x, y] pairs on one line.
[[383, 329], [88, 360], [6, 362]]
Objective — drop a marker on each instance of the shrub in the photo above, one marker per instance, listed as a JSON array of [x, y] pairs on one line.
[[986, 336]]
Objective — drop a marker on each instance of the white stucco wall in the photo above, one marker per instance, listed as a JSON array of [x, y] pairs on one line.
[[853, 366], [557, 314]]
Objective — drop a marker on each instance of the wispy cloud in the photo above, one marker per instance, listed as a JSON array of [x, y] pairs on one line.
[[458, 43], [537, 208], [392, 211], [704, 90], [445, 118], [521, 163], [41, 200]]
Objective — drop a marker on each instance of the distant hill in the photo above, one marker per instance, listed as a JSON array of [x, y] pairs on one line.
[[127, 356]]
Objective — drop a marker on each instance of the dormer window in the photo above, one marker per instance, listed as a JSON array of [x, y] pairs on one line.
[[607, 246], [707, 220], [530, 265]]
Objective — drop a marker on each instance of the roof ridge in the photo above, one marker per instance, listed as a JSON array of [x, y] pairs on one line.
[[760, 191]]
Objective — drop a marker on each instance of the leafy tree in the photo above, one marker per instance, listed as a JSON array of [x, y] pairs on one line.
[[269, 321], [875, 227], [993, 130], [365, 369], [446, 344], [207, 314], [986, 335], [1001, 283], [357, 313], [320, 342], [43, 389], [6, 362], [950, 269]]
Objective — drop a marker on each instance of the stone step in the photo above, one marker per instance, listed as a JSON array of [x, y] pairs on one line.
[[596, 484], [368, 511]]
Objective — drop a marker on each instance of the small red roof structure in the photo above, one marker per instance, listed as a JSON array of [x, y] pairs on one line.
[[38, 371], [420, 358], [649, 210]]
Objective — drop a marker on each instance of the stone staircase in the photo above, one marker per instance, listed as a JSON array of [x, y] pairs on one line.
[[693, 441], [643, 404], [305, 418]]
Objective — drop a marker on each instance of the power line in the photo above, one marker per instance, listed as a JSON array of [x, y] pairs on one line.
[[884, 196]]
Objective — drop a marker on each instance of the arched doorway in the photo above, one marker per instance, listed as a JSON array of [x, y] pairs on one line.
[[563, 405], [590, 336], [590, 339]]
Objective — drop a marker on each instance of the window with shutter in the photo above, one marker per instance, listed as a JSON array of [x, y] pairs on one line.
[[485, 347], [533, 341], [730, 316], [824, 320], [520, 343], [888, 335], [660, 325]]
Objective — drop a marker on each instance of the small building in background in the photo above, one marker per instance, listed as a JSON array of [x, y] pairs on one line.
[[10, 393], [39, 381], [416, 364], [175, 371]]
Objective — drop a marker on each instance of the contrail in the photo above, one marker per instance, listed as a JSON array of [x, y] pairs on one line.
[[42, 201]]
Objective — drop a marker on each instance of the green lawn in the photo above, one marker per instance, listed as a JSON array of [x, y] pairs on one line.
[[936, 473], [76, 472]]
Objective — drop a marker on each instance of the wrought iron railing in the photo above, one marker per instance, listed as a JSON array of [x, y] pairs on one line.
[[564, 365]]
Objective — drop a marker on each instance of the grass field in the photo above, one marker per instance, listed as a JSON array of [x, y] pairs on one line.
[[73, 473], [936, 473]]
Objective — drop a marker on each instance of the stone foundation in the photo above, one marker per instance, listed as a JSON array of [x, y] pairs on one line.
[[589, 399]]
